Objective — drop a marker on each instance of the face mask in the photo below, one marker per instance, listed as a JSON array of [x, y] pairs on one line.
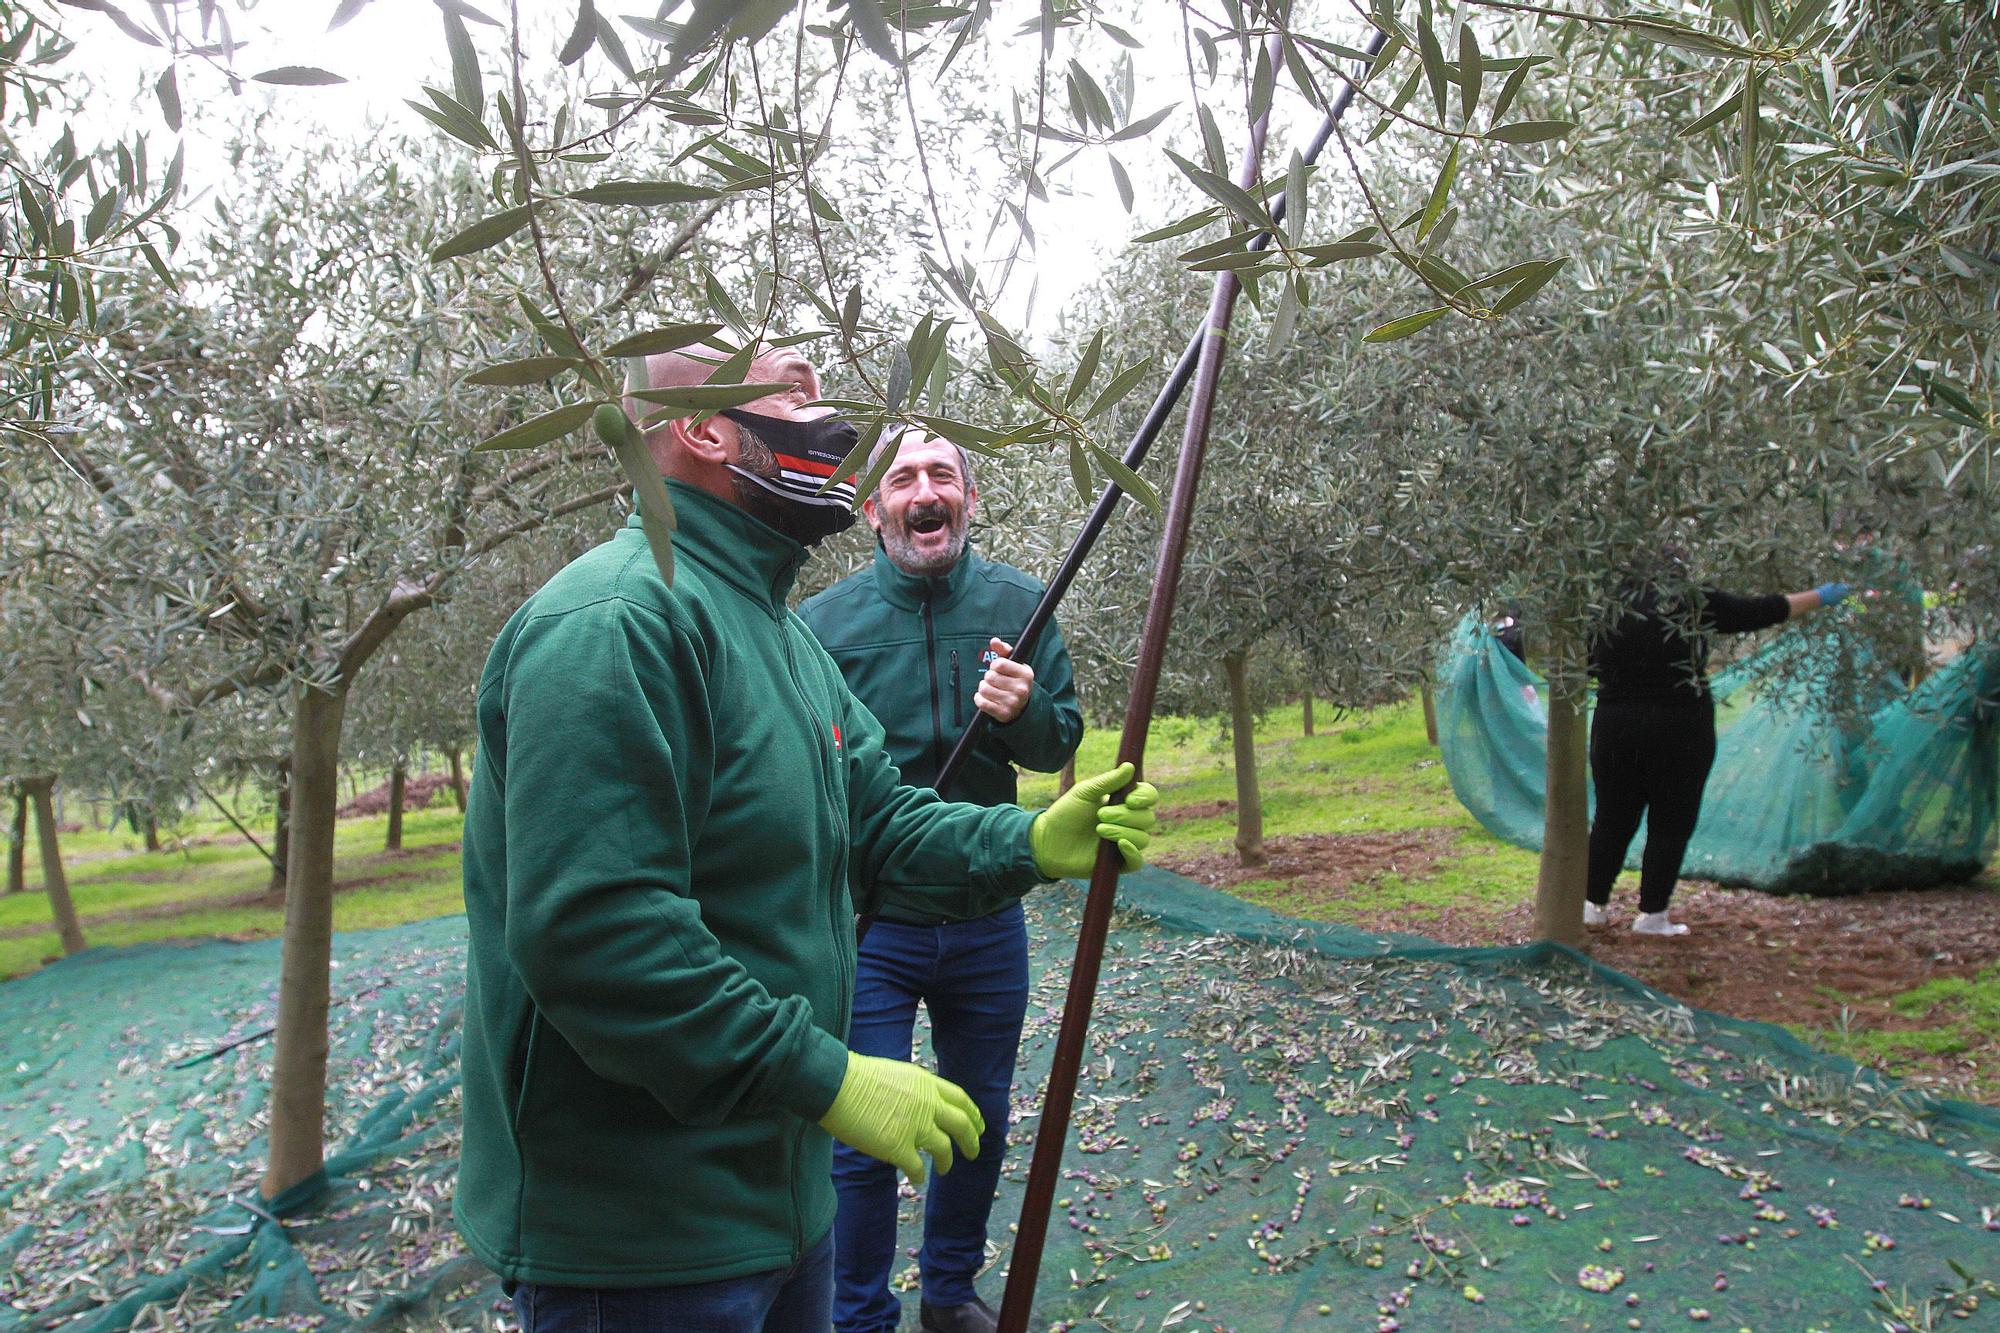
[[803, 455]]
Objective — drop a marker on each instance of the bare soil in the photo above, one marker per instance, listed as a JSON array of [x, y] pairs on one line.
[[1818, 963], [1319, 866], [417, 792], [1175, 814], [1824, 963]]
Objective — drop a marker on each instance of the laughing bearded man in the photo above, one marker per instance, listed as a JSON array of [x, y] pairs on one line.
[[912, 636]]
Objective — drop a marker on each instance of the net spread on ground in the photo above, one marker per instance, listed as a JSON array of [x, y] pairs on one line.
[[1279, 1126]]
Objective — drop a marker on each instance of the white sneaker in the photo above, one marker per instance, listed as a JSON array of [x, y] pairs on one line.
[[1656, 923], [1593, 915]]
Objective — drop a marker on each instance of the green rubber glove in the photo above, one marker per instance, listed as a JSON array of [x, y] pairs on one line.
[[1064, 837], [895, 1112]]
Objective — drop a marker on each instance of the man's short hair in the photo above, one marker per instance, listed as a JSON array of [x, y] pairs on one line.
[[964, 458]]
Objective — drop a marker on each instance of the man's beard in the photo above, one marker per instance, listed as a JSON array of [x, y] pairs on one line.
[[897, 540]]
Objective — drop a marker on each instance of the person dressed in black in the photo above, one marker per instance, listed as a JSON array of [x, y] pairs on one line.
[[1652, 740]]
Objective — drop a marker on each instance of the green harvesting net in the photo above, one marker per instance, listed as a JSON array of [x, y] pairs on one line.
[[1830, 777], [1280, 1126]]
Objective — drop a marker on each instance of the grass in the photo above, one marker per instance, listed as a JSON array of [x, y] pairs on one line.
[[1961, 1014], [1374, 772], [1371, 773], [126, 895]]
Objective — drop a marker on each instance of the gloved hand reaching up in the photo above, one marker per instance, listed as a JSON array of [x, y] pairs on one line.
[[1064, 837], [895, 1112], [1830, 593]]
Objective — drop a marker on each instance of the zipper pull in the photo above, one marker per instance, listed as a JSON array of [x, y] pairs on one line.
[[956, 719]]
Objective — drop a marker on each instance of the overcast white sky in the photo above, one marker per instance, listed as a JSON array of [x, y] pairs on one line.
[[394, 46]]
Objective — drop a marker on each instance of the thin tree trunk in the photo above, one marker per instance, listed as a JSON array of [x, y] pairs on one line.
[[1068, 778], [298, 1067], [1565, 866], [151, 827], [281, 833], [17, 850], [396, 780], [458, 779], [1430, 714], [1249, 804], [1306, 708], [53, 879]]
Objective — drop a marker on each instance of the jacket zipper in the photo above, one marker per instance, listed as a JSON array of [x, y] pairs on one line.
[[957, 700], [837, 927], [930, 662]]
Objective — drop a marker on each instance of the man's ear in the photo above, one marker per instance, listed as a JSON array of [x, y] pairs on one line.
[[712, 439], [971, 500], [868, 512]]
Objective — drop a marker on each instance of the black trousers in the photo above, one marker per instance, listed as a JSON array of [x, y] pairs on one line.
[[1647, 761]]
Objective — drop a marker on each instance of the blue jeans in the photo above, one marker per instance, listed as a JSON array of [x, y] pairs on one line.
[[973, 977], [785, 1300]]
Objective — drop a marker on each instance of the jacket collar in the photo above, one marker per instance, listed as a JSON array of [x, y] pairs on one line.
[[910, 591], [746, 553]]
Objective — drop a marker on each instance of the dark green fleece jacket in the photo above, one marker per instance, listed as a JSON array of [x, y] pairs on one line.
[[913, 649], [677, 810]]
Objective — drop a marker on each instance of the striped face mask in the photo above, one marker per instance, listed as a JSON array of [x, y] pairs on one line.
[[805, 454]]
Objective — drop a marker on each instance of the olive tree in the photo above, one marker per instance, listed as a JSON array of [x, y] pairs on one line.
[[769, 88], [79, 208], [284, 445], [42, 718], [1849, 197]]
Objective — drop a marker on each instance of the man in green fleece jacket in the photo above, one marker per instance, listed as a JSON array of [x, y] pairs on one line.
[[678, 809], [918, 635]]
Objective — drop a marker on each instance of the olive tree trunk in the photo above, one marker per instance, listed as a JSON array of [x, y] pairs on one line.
[[53, 880], [1430, 714], [17, 850], [1249, 803], [281, 831], [458, 779], [1306, 712], [298, 1067], [151, 827], [397, 779], [1565, 865], [1067, 779]]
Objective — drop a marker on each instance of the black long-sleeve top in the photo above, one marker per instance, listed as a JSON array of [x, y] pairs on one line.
[[1657, 653]]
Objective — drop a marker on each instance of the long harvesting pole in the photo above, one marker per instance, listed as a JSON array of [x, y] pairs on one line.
[[1058, 1100]]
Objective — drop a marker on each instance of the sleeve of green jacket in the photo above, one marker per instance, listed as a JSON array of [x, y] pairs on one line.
[[600, 922], [1046, 733], [962, 860]]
